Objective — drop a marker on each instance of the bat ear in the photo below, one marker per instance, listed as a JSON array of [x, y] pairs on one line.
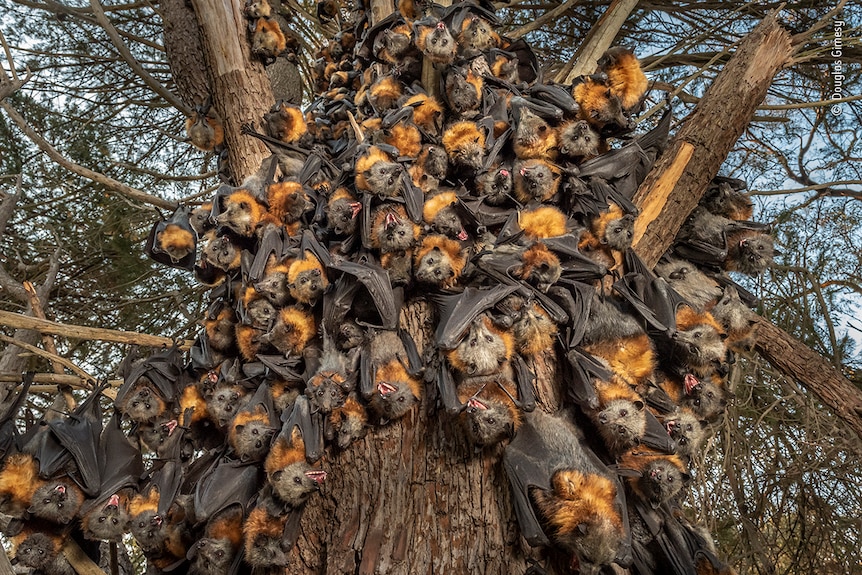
[[639, 405], [582, 528], [239, 428]]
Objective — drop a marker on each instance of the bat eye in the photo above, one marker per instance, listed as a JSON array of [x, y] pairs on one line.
[[114, 521], [102, 519], [623, 412], [489, 339], [255, 432], [297, 480], [400, 400]]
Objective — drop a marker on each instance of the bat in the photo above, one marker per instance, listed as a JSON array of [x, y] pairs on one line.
[[562, 493], [173, 242], [389, 373]]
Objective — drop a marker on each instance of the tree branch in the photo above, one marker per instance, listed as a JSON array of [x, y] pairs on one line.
[[548, 16], [133, 63], [53, 358], [598, 40], [17, 320], [97, 177]]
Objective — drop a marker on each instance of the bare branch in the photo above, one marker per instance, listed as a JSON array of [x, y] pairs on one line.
[[17, 320], [54, 358], [548, 16], [97, 177], [136, 67], [598, 40]]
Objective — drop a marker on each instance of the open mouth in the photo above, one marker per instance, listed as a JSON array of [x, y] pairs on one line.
[[690, 383], [386, 389], [474, 403], [317, 476]]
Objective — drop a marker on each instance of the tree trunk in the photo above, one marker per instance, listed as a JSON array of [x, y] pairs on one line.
[[184, 52], [240, 87], [412, 497], [679, 179]]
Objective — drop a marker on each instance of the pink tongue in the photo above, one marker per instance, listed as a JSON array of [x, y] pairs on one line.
[[476, 404], [690, 383], [114, 500], [171, 425], [462, 235], [61, 489], [355, 208], [385, 389], [504, 172], [317, 476]]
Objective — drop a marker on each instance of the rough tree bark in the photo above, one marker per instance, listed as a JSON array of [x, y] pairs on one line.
[[240, 87]]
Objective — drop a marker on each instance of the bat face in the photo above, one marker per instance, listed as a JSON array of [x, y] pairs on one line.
[[326, 391], [291, 331], [700, 348], [349, 336], [661, 480], [578, 139], [435, 268], [260, 313], [308, 286], [706, 400], [396, 45], [341, 216], [240, 217], [251, 440], [448, 223], [348, 422], [214, 556], [620, 232], [204, 133], [488, 421], [533, 136], [296, 482], [393, 231], [150, 530], [225, 402], [751, 255], [393, 399], [434, 161], [144, 403], [687, 431], [37, 551], [273, 286], [109, 522], [496, 186], [221, 253], [266, 549], [731, 312], [688, 281], [384, 179], [597, 546], [155, 435], [200, 219], [534, 180], [463, 96], [478, 35], [440, 46], [622, 423], [57, 501], [482, 352], [257, 9]]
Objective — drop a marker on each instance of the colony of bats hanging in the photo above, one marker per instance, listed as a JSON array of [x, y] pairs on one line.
[[502, 203]]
